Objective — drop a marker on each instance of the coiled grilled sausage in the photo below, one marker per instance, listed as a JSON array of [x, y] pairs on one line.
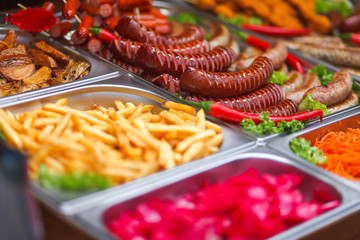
[[284, 108], [277, 54], [227, 84], [126, 50], [336, 91], [129, 28], [108, 55], [270, 94], [167, 82], [155, 61], [131, 68]]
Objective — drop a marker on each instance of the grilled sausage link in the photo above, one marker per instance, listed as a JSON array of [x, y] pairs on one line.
[[277, 54], [311, 80], [155, 61], [131, 68], [270, 94], [284, 108], [336, 91], [227, 84], [126, 50], [350, 101], [295, 80], [129, 28], [167, 82], [349, 56]]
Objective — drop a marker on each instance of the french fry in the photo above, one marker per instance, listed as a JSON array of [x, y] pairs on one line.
[[61, 102], [180, 107], [168, 128], [172, 118], [119, 105], [193, 151], [9, 132], [183, 145], [64, 122], [200, 119]]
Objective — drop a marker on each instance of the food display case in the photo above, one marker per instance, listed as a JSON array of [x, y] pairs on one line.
[[137, 133]]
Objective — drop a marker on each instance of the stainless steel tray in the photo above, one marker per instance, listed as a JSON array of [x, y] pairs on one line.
[[104, 93], [98, 69], [339, 122], [263, 159]]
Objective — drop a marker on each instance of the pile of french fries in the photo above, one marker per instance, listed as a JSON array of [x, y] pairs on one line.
[[121, 143]]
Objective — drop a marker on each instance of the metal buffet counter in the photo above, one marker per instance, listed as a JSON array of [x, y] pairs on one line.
[[240, 150]]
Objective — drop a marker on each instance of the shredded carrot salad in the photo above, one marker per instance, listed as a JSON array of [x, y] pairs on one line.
[[342, 150]]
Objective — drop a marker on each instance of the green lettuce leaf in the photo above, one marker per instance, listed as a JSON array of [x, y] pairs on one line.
[[324, 75], [72, 181], [327, 6], [270, 127], [240, 20], [187, 18], [278, 77], [310, 104], [302, 148]]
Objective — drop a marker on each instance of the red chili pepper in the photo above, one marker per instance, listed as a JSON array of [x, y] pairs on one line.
[[263, 45], [254, 41], [103, 34], [277, 31], [229, 114], [294, 63], [354, 37]]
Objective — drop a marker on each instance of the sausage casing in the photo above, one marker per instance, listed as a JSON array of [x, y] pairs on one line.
[[270, 94], [155, 61], [284, 108], [227, 84], [126, 50], [310, 80], [277, 54], [336, 91], [129, 28], [350, 101], [167, 82]]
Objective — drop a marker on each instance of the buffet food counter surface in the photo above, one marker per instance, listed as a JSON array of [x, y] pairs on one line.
[[141, 128]]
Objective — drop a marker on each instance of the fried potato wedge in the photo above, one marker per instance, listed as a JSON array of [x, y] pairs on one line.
[[56, 54], [75, 70], [41, 75], [11, 39]]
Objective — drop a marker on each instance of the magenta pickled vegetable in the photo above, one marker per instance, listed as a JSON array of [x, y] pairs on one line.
[[247, 206]]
